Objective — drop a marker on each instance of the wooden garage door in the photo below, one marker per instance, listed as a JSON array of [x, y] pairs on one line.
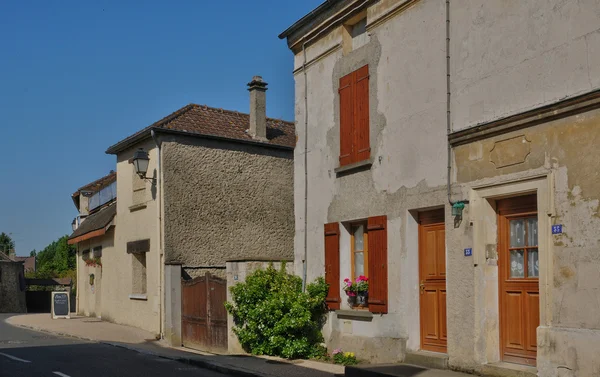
[[204, 318]]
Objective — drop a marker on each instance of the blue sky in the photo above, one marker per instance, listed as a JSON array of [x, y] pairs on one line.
[[77, 76]]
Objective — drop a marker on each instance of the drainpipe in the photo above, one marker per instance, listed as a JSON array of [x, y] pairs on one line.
[[305, 259], [459, 203], [160, 245]]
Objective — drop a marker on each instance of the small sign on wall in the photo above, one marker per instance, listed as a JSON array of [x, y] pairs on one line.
[[468, 252], [557, 229], [61, 305]]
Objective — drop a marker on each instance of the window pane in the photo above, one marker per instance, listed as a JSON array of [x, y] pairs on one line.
[[532, 231], [517, 233], [359, 264], [533, 263], [358, 238], [517, 264]]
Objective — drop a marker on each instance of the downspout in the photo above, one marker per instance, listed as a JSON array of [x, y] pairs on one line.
[[460, 203], [305, 259], [160, 244]]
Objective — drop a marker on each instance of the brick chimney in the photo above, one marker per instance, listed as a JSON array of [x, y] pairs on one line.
[[258, 108]]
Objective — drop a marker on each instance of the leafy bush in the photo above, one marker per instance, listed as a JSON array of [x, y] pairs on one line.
[[274, 317]]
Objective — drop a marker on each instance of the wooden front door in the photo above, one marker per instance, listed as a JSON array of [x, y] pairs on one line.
[[204, 318], [518, 274], [432, 278]]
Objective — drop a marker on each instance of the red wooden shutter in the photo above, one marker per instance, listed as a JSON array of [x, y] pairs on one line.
[[332, 265], [362, 147], [346, 118], [378, 277]]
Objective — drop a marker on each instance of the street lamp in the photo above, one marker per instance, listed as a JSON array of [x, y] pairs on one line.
[[140, 163]]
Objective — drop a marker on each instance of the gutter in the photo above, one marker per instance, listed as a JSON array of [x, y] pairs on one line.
[[117, 148]]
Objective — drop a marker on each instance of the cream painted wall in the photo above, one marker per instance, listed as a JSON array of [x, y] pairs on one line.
[[133, 223]]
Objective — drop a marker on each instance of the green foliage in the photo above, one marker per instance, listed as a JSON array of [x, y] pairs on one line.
[[56, 259], [344, 358], [274, 317], [6, 243]]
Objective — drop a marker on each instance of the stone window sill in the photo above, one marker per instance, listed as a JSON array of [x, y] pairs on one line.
[[137, 207], [354, 167], [139, 297], [355, 314]]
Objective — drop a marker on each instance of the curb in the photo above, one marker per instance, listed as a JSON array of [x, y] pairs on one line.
[[213, 366]]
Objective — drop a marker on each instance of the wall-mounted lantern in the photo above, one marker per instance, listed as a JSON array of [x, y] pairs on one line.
[[457, 209], [140, 162]]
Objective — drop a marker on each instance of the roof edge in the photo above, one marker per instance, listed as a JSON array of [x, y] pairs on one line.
[[221, 138], [308, 18]]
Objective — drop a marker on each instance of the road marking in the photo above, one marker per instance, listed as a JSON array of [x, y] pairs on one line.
[[14, 358], [61, 374]]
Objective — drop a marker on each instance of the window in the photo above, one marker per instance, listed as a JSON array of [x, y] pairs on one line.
[[97, 252], [85, 254], [139, 274], [369, 255], [359, 250], [359, 35], [354, 117]]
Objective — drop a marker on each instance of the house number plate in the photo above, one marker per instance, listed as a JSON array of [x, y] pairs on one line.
[[468, 252]]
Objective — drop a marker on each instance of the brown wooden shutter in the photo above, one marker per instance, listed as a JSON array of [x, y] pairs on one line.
[[378, 279], [362, 147], [346, 118], [332, 265]]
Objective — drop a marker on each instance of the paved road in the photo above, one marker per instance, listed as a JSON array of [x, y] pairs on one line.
[[25, 353]]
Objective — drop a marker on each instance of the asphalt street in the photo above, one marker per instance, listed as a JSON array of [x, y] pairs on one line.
[[30, 354]]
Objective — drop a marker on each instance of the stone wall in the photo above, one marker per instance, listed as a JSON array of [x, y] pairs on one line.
[[12, 287], [225, 200]]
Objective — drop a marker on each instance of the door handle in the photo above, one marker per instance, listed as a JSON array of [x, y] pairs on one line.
[[422, 285]]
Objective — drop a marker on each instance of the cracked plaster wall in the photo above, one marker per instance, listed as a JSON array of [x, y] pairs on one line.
[[408, 148], [568, 148]]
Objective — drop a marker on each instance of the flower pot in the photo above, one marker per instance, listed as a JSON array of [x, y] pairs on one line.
[[361, 299], [352, 301]]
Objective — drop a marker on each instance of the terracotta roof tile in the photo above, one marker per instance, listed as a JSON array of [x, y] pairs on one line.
[[96, 221], [201, 120]]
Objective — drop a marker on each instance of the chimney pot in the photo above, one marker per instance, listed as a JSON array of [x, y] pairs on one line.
[[258, 108]]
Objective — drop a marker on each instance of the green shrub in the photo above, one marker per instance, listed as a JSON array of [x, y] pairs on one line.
[[274, 317]]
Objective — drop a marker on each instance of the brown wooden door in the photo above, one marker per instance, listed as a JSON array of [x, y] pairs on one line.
[[432, 277], [204, 318], [518, 273]]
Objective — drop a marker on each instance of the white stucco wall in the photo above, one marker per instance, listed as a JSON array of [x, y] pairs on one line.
[[512, 56]]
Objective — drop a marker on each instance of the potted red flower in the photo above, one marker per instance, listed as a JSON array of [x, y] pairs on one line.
[[350, 289], [362, 290]]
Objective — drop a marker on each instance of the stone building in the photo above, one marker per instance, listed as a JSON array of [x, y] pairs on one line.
[[195, 189], [440, 146], [12, 286]]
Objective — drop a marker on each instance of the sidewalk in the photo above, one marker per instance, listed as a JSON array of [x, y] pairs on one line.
[[237, 365], [142, 341]]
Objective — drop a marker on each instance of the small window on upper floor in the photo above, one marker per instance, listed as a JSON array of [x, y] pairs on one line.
[[359, 34], [355, 33]]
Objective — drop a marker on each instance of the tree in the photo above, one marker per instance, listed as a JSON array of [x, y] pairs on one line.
[[56, 260], [32, 253], [6, 243]]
